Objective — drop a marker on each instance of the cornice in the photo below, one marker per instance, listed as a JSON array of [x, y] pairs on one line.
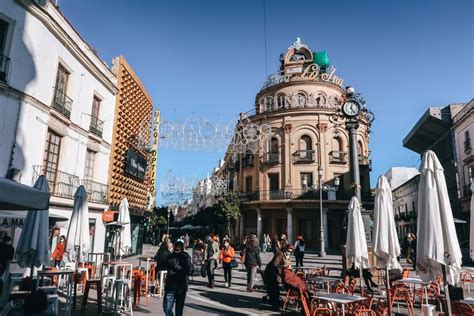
[[53, 26]]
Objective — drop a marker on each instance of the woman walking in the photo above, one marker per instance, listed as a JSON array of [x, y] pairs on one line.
[[299, 250], [226, 256], [250, 256]]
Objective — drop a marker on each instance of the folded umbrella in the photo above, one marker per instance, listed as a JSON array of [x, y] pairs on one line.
[[32, 248], [126, 234], [78, 238]]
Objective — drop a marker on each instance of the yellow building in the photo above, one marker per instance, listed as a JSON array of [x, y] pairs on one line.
[[277, 180]]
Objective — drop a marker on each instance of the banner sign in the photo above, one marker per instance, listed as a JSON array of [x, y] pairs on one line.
[[154, 153], [135, 164], [108, 216], [8, 222]]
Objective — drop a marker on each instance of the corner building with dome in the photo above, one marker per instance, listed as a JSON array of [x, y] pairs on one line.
[[278, 180]]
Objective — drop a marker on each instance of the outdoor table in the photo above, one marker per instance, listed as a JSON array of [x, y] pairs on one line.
[[148, 260], [307, 268], [469, 300], [68, 275], [116, 265], [416, 281], [325, 280], [340, 298]]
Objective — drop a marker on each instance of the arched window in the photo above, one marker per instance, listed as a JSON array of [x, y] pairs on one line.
[[281, 101], [300, 100], [273, 155], [274, 145], [360, 148], [337, 153], [268, 103], [305, 147]]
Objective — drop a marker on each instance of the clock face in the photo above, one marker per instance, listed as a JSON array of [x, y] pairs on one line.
[[350, 108]]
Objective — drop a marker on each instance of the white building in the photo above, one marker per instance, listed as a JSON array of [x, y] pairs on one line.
[[399, 175], [57, 100]]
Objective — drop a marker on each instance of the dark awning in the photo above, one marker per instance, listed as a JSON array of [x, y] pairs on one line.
[[17, 196]]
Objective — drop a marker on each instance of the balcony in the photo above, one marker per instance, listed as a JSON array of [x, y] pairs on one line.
[[272, 158], [303, 156], [299, 195], [96, 126], [248, 161], [62, 103], [96, 192], [338, 157], [61, 184], [250, 196], [4, 68]]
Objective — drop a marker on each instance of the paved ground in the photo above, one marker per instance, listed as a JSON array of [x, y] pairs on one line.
[[221, 301]]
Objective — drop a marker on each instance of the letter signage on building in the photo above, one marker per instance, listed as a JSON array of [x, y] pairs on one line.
[[135, 164], [154, 153]]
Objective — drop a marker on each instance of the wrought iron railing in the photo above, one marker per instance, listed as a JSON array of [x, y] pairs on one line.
[[338, 157], [96, 126], [62, 103], [272, 158], [4, 67], [299, 194], [304, 156], [60, 183], [247, 161], [96, 192]]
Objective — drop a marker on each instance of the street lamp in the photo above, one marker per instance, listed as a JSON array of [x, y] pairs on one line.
[[168, 231], [323, 186]]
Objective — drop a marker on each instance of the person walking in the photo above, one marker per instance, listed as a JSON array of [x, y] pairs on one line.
[[250, 256], [276, 246], [186, 241], [161, 256], [6, 253], [411, 250], [58, 252], [226, 256], [211, 254], [283, 241], [299, 250], [179, 267]]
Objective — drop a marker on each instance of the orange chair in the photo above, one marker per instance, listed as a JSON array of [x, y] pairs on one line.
[[462, 309], [298, 297], [401, 293], [365, 312]]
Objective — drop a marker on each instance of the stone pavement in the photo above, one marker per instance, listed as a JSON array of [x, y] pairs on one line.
[[202, 300]]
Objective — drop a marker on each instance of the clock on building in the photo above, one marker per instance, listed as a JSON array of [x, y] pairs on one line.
[[351, 108]]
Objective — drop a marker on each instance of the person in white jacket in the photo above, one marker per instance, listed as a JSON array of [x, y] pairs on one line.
[[299, 250]]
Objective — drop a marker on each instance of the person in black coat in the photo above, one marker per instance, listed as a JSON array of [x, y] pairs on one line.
[[179, 268], [161, 255], [271, 280]]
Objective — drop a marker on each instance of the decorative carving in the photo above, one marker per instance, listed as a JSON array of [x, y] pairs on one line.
[[322, 127], [287, 128], [57, 125]]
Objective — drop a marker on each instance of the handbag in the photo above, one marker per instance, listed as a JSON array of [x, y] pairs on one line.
[[233, 263]]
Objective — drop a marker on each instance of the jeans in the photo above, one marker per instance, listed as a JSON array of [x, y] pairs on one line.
[[172, 297], [299, 258], [227, 272], [251, 273], [210, 265]]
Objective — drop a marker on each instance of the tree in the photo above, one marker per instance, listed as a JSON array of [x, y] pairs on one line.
[[228, 209], [156, 223]]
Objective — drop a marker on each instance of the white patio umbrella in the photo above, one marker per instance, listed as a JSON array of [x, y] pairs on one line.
[[471, 238], [386, 246], [32, 249], [356, 244], [78, 239], [437, 243], [125, 239]]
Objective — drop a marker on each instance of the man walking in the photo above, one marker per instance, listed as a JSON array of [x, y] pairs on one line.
[[211, 254], [179, 268]]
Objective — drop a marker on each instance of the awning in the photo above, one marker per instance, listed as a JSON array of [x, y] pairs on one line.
[[12, 219], [17, 196]]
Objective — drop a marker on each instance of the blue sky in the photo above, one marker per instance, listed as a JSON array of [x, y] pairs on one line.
[[207, 58]]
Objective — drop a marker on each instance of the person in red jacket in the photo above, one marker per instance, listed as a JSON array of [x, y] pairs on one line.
[[226, 256], [59, 252]]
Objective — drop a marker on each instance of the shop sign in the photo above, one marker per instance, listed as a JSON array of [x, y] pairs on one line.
[[154, 154], [311, 72], [12, 222], [135, 164], [108, 216]]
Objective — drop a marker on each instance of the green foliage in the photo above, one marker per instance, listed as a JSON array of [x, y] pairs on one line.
[[228, 209]]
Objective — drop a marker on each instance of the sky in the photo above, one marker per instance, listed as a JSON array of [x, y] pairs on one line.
[[209, 58]]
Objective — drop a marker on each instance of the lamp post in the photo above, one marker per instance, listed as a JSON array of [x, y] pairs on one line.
[[168, 230], [323, 186]]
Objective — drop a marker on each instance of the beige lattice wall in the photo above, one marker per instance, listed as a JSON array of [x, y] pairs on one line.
[[133, 116]]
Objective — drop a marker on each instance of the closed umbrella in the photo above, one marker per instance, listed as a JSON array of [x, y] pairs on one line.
[[356, 244], [471, 238], [438, 250], [32, 249], [386, 246], [78, 238], [126, 234]]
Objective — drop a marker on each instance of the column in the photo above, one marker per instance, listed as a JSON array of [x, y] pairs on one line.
[[354, 158], [325, 225], [241, 226], [259, 226], [289, 222]]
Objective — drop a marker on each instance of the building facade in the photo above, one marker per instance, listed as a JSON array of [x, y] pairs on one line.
[[463, 129], [276, 180], [129, 172], [405, 203], [57, 104]]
